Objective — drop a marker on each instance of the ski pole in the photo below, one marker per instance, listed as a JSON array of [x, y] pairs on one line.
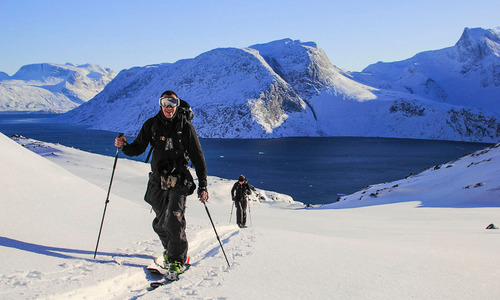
[[107, 197], [149, 155], [210, 217], [231, 213], [249, 213]]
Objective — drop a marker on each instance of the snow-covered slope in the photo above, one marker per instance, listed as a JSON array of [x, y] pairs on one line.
[[52, 87], [411, 235], [285, 88], [467, 74], [471, 181]]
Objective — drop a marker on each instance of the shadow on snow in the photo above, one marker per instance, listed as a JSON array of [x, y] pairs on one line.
[[65, 253], [215, 250]]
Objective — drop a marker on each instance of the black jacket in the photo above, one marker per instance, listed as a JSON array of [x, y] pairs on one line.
[[239, 191], [173, 141]]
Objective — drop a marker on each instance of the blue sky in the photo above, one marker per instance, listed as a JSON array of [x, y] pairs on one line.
[[123, 34]]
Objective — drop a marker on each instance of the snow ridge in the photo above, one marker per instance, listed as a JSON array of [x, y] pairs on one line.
[[290, 88], [466, 74], [52, 87]]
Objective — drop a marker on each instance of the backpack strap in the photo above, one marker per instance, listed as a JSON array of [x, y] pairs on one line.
[[153, 133], [149, 154], [185, 115]]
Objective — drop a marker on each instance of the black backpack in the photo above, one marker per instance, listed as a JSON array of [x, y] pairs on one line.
[[186, 114]]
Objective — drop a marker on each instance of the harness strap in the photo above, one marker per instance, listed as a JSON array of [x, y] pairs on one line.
[[179, 130]]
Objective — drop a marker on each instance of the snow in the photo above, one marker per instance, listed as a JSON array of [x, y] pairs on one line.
[[419, 237], [271, 90], [464, 74], [52, 87]]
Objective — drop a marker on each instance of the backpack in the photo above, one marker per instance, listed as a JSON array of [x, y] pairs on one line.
[[242, 190], [186, 114]]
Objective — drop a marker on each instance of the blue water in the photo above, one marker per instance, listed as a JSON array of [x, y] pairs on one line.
[[311, 170]]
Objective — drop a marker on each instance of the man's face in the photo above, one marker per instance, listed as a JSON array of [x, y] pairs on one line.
[[168, 111], [169, 105]]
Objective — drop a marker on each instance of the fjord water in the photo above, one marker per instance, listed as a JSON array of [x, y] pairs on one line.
[[311, 170]]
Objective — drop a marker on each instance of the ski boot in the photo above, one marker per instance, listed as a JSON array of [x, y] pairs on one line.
[[174, 270], [166, 264]]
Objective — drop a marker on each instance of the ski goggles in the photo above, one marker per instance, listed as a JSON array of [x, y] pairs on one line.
[[169, 101]]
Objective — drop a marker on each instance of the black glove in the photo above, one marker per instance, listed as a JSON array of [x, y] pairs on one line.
[[202, 189]]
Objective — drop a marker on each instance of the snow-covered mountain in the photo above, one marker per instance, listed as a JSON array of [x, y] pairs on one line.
[[52, 87], [467, 74], [4, 75], [290, 88]]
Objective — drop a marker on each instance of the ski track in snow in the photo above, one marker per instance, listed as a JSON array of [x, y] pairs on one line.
[[131, 279], [68, 277], [209, 268]]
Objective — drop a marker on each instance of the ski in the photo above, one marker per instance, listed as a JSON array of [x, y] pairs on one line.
[[158, 267], [168, 278]]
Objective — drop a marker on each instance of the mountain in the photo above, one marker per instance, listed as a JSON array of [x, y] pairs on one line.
[[4, 75], [52, 87], [234, 92], [467, 74], [289, 88]]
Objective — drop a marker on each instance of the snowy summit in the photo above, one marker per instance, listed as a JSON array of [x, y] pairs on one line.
[[52, 87], [465, 74], [272, 90]]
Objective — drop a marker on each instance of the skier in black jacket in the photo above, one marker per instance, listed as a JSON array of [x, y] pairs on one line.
[[174, 142], [239, 194]]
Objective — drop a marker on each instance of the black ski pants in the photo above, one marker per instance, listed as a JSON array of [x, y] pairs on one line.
[[169, 223], [241, 211]]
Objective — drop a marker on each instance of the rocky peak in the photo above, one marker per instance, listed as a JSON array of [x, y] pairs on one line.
[[477, 43]]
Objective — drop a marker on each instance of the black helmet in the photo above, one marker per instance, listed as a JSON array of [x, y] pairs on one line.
[[241, 178]]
